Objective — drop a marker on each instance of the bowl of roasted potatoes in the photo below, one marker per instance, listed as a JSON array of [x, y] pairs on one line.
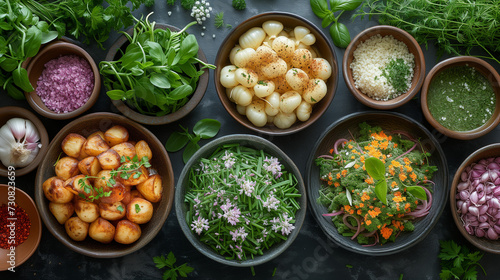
[[105, 187]]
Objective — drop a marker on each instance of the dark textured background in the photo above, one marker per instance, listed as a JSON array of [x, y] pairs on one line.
[[312, 255]]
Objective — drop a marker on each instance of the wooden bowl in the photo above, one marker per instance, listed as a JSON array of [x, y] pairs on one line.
[[418, 70], [482, 67], [18, 112], [36, 67], [289, 20], [85, 126], [194, 99], [182, 187], [347, 127], [487, 245], [25, 250]]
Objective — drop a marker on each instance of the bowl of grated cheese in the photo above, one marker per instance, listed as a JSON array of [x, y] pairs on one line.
[[383, 67]]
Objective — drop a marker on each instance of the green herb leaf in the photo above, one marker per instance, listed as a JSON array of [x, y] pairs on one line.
[[169, 262], [120, 208], [340, 35], [137, 208], [176, 141], [320, 8], [181, 92], [375, 168], [191, 148], [345, 5], [159, 80], [417, 191], [115, 94], [328, 20], [20, 76], [206, 128], [381, 191]]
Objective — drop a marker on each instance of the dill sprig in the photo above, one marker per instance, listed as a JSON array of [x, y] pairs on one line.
[[219, 21], [457, 27]]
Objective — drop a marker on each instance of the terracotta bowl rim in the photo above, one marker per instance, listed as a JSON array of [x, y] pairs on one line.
[[194, 99], [44, 140], [32, 96], [391, 103], [461, 135], [298, 126]]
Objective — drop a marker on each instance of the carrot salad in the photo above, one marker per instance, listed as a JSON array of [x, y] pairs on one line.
[[349, 192]]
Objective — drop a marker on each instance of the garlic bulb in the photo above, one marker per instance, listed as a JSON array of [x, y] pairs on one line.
[[18, 142], [272, 28]]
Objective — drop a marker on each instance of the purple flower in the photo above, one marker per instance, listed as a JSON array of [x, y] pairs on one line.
[[247, 187], [273, 165], [271, 203], [200, 225]]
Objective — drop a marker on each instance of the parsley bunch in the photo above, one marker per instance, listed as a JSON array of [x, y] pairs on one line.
[[458, 262], [172, 270]]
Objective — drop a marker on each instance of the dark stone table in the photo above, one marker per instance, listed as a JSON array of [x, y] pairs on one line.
[[312, 255]]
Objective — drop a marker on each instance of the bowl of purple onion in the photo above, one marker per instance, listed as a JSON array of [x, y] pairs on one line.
[[475, 198]]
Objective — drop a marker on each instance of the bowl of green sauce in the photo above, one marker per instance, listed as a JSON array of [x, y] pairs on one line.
[[460, 97]]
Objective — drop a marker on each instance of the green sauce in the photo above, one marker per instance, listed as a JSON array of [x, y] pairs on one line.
[[461, 99]]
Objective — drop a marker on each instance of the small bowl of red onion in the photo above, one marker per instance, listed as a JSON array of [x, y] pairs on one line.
[[475, 198], [65, 79]]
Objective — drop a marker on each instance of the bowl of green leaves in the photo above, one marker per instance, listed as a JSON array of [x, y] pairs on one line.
[[377, 182], [240, 200], [155, 73]]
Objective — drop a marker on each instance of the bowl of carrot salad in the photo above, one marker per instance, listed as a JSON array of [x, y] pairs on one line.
[[377, 182]]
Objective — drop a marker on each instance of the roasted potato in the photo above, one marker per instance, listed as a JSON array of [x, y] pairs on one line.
[[116, 193], [66, 168], [125, 149], [95, 145], [86, 211], [112, 211], [89, 166], [142, 150], [101, 230], [82, 152], [109, 159], [152, 188], [133, 177], [139, 211], [116, 135], [102, 179], [133, 194], [127, 232], [54, 190], [76, 228], [100, 133], [72, 144], [80, 186], [61, 211]]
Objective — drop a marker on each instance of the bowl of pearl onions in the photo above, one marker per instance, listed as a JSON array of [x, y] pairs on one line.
[[276, 73]]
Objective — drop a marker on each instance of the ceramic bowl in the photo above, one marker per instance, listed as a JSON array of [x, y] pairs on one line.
[[85, 126], [290, 21], [482, 67], [490, 151], [182, 187], [388, 121], [37, 65], [114, 52], [18, 112], [418, 70], [26, 249]]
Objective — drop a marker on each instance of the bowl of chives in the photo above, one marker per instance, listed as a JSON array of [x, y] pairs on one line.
[[240, 200]]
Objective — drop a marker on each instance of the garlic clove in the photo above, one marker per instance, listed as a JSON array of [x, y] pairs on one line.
[[31, 135], [18, 127]]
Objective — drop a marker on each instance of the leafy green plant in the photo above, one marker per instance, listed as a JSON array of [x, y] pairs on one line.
[[21, 35], [455, 27], [376, 169], [338, 31], [458, 262], [239, 4], [158, 70], [172, 271], [203, 129]]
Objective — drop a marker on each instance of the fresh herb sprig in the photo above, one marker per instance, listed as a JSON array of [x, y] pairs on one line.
[[172, 271], [203, 129], [125, 171], [458, 262], [376, 169], [219, 21], [455, 27], [338, 31], [239, 4]]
